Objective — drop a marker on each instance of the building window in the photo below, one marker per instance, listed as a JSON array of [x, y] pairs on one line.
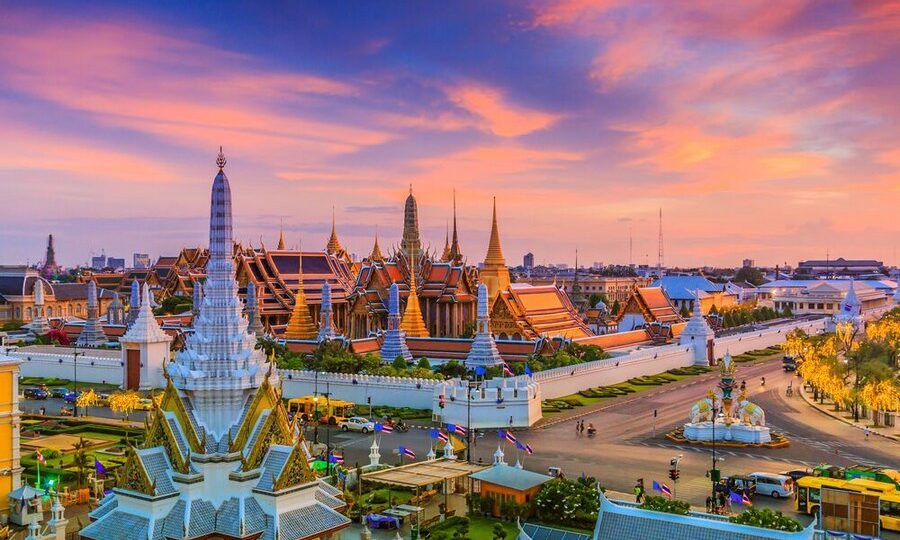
[[28, 313]]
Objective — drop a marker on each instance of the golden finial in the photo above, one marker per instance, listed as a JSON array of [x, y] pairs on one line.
[[220, 159]]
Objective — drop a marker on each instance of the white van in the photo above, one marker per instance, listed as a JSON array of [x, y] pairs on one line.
[[773, 485]]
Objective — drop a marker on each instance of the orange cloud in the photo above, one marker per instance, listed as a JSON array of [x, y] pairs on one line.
[[499, 116]]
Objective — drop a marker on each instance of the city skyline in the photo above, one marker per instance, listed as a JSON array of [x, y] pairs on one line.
[[759, 131]]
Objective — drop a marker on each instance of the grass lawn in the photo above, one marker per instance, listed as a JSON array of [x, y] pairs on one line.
[[401, 497], [479, 527], [482, 527]]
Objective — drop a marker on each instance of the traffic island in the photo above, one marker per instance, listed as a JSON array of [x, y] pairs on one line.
[[779, 440]]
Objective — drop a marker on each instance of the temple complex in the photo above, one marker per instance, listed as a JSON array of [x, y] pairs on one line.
[[220, 459], [441, 292], [647, 305]]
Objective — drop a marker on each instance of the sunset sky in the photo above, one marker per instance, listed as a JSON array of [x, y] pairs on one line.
[[766, 130]]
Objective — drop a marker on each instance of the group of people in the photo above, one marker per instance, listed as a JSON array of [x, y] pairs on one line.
[[579, 428]]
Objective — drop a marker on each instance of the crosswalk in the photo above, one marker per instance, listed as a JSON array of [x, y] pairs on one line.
[[836, 447], [732, 453]]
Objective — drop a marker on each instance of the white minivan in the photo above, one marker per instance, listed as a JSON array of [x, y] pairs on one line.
[[773, 485]]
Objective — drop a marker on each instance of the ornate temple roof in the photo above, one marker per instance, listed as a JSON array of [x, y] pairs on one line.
[[536, 311], [652, 303]]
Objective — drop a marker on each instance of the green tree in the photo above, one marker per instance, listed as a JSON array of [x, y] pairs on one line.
[[767, 519], [750, 275], [663, 504], [80, 460], [400, 364], [598, 297], [615, 308], [684, 312], [499, 531], [468, 330], [424, 363]]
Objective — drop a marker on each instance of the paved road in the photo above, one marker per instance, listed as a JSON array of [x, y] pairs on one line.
[[629, 444], [53, 406]]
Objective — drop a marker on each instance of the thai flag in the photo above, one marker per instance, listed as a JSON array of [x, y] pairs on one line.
[[746, 500], [443, 436], [459, 430], [40, 458], [510, 438], [99, 466], [528, 370], [506, 371], [528, 449], [662, 488], [383, 428], [404, 451], [336, 459]]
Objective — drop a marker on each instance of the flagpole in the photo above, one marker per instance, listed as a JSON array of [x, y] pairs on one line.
[[38, 473]]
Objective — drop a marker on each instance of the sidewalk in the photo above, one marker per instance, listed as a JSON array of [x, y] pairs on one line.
[[838, 415]]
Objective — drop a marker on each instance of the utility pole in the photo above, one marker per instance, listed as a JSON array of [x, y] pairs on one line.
[[674, 473]]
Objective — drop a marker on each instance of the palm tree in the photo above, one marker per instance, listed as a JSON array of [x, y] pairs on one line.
[[80, 459]]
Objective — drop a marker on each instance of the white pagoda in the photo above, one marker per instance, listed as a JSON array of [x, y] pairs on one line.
[[220, 459]]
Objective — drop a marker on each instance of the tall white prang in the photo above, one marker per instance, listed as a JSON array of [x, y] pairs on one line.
[[219, 366]]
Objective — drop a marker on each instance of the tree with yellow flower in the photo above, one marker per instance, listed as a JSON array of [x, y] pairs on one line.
[[86, 399], [881, 396], [124, 402]]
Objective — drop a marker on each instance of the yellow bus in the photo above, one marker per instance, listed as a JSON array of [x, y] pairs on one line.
[[331, 411], [807, 496]]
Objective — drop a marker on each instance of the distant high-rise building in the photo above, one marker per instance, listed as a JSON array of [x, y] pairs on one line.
[[141, 260], [98, 262], [597, 265], [116, 263], [528, 260], [748, 263]]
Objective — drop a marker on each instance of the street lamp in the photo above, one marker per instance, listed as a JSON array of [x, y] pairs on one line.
[[316, 406], [714, 473], [75, 355]]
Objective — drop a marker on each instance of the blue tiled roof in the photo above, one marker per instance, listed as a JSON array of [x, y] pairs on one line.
[[157, 465], [309, 521], [272, 465], [683, 287], [540, 532], [117, 524], [511, 477]]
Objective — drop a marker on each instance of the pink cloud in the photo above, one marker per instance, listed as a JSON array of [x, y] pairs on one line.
[[498, 115]]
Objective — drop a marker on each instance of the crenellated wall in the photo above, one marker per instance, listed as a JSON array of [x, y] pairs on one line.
[[391, 391], [496, 403], [98, 366]]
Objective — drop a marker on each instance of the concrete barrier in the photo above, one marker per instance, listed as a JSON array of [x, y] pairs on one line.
[[390, 391]]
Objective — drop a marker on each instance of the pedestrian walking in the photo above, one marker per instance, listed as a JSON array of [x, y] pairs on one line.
[[582, 427], [867, 433], [577, 427]]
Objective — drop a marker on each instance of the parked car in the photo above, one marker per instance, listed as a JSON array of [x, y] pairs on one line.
[[741, 484], [59, 392], [789, 363], [773, 485], [797, 474], [35, 393], [71, 397], [357, 423], [144, 404]]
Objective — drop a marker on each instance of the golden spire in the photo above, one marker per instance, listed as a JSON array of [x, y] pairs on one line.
[[494, 252], [281, 236], [334, 245], [376, 249], [413, 323], [455, 251], [300, 325], [445, 256]]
